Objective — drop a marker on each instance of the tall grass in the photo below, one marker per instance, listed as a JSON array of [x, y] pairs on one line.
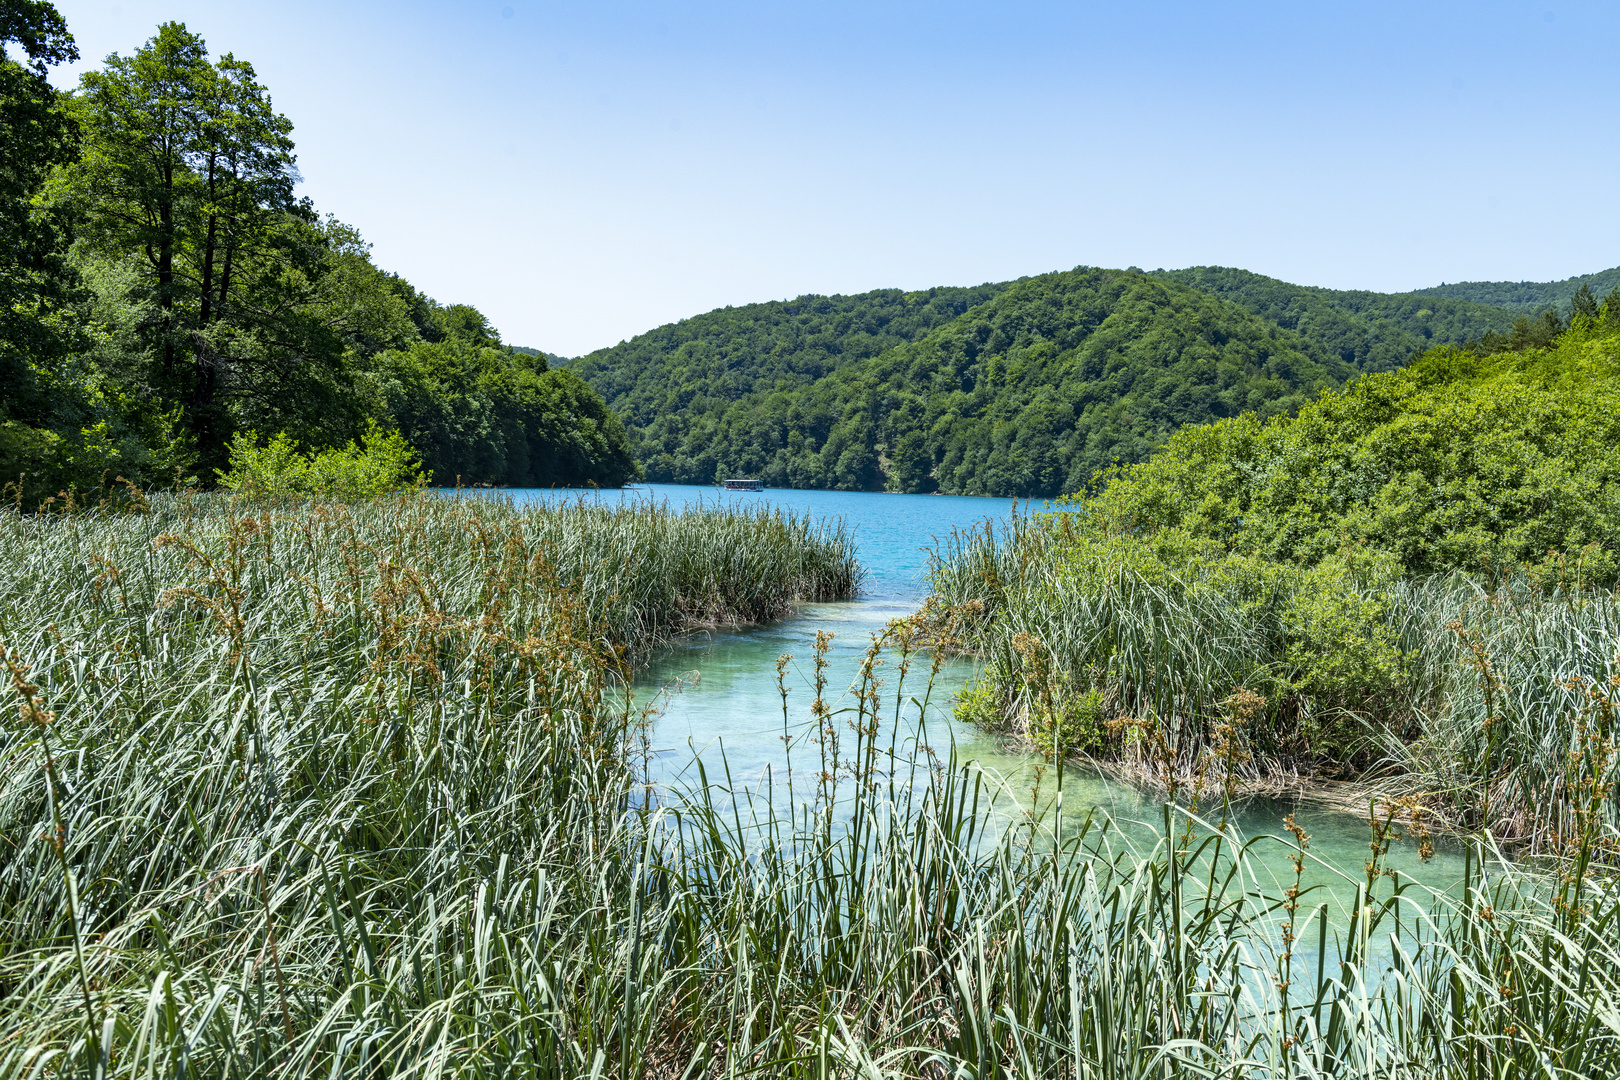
[[1513, 699], [355, 793], [1477, 700]]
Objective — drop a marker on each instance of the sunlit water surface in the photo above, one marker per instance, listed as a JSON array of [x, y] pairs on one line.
[[720, 702]]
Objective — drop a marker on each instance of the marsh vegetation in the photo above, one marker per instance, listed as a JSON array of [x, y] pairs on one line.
[[1410, 581], [301, 788]]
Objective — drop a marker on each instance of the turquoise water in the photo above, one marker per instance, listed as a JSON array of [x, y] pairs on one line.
[[719, 702]]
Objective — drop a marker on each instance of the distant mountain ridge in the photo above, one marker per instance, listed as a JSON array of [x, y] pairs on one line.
[[1057, 376], [1527, 297], [731, 352], [1022, 388]]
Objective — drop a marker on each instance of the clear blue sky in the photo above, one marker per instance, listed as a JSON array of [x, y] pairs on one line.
[[585, 171]]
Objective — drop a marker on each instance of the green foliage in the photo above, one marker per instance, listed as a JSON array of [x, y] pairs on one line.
[[383, 463], [1368, 331], [26, 451], [484, 415], [978, 702], [1059, 375], [187, 167], [200, 299], [115, 443], [1071, 723], [1456, 462], [1026, 392], [703, 397], [1059, 722], [1338, 645], [37, 287]]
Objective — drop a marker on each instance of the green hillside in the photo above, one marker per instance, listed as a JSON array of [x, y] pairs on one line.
[[1025, 388], [1463, 460], [699, 364], [1059, 376], [1527, 297], [1368, 330], [1025, 394], [1398, 575]]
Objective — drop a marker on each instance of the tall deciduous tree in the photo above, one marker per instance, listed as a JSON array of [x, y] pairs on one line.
[[35, 137], [187, 165]]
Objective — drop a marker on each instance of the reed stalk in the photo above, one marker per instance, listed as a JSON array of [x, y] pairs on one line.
[[353, 792]]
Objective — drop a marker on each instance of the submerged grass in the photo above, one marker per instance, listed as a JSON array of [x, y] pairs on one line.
[[354, 793]]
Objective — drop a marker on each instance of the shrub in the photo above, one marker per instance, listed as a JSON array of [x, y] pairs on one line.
[[382, 463], [1458, 462], [45, 468]]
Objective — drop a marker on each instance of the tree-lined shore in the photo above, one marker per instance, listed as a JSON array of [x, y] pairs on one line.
[[164, 289]]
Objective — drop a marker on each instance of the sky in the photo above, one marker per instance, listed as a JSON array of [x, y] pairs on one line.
[[583, 171]]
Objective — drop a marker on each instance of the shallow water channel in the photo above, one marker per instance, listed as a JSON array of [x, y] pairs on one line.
[[719, 699]]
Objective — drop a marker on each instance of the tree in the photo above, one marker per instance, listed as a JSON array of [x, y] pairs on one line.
[[1584, 303], [187, 166], [200, 298], [910, 463], [482, 415], [37, 136]]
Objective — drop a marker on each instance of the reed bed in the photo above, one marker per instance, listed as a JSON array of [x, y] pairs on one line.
[[1490, 705], [355, 792]]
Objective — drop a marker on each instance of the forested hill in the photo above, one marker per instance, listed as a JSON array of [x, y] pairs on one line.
[[1026, 393], [1528, 297], [1369, 331], [700, 364], [1032, 392]]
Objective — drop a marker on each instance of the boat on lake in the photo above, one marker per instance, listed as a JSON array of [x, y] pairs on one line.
[[744, 485]]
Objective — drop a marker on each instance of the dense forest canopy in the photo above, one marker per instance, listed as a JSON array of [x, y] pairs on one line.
[[477, 412], [1528, 297], [1056, 377], [162, 289], [1367, 330], [1024, 388], [665, 381], [1025, 392]]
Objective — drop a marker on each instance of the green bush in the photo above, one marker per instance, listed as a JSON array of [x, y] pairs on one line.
[[1485, 464], [1070, 727], [43, 466], [382, 463]]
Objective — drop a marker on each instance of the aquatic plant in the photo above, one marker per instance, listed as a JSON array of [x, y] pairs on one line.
[[354, 791], [1472, 696]]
